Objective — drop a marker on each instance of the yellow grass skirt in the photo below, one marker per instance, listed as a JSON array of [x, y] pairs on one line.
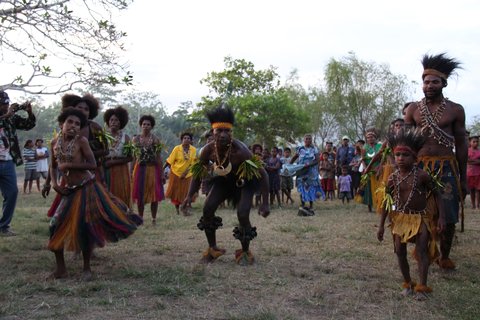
[[407, 226]]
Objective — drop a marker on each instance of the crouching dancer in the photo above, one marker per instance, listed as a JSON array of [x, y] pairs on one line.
[[236, 175], [411, 200], [87, 215]]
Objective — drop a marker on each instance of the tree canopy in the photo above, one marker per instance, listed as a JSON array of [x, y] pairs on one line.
[[363, 94], [265, 112], [61, 43]]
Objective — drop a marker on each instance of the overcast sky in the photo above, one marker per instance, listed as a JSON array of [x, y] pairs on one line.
[[174, 44]]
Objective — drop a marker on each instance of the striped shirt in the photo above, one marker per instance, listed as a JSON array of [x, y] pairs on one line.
[[29, 157]]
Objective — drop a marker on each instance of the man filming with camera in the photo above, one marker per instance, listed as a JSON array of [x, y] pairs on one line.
[[10, 155]]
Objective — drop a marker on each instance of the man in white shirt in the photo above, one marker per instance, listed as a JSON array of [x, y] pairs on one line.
[[42, 161]]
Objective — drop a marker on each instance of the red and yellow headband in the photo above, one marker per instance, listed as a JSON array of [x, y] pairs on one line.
[[223, 125], [404, 149], [433, 72]]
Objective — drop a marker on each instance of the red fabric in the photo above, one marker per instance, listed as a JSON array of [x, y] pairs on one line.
[[328, 184], [473, 182], [473, 169]]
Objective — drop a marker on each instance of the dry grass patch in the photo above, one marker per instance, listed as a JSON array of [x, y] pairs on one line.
[[329, 266]]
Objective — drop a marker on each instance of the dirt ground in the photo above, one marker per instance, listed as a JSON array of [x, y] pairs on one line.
[[329, 266]]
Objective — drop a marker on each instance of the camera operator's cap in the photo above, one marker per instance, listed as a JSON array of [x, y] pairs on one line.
[[345, 138], [4, 99]]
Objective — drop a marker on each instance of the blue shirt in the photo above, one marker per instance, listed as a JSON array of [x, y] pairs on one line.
[[345, 155]]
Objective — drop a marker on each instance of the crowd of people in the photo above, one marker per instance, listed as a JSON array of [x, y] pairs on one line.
[[417, 177]]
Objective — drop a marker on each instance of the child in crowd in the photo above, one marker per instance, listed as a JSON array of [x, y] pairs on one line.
[[411, 201], [327, 175], [344, 185], [286, 180], [42, 161], [273, 166], [29, 156], [257, 151], [473, 172]]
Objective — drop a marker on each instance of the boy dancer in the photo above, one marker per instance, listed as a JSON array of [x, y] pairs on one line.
[[411, 200]]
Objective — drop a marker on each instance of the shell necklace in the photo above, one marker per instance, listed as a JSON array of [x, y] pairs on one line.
[[218, 166]]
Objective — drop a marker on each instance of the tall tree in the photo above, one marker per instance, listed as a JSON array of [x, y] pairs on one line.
[[60, 43], [364, 94], [474, 127], [240, 77], [264, 111], [324, 122], [266, 118]]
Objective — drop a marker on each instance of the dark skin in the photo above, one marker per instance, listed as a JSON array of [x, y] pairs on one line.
[[277, 166], [146, 131], [186, 142], [39, 144], [114, 128], [74, 173], [453, 123], [474, 193], [239, 153], [404, 162], [307, 142], [287, 193], [85, 132], [395, 127], [30, 182]]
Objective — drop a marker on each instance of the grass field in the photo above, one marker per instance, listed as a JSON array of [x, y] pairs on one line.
[[329, 266]]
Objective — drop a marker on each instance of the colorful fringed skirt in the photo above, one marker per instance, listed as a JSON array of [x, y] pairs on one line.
[[118, 182], [89, 217], [177, 188], [147, 184]]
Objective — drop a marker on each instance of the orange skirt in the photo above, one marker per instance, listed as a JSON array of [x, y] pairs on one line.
[[117, 179], [177, 188]]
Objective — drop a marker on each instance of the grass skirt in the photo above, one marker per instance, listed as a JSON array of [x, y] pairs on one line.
[[147, 184], [89, 217], [117, 179], [407, 226], [177, 188]]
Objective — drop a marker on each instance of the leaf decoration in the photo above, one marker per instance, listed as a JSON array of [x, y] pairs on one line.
[[250, 169]]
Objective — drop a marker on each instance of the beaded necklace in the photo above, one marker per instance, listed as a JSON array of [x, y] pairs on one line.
[[186, 153], [218, 168], [116, 148], [67, 154], [430, 124], [145, 141], [398, 179]]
